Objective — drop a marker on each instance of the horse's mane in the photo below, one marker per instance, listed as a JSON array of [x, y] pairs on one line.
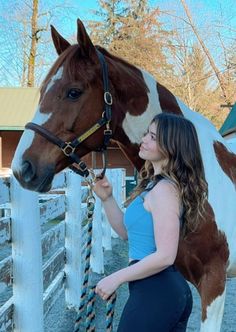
[[132, 76], [115, 58]]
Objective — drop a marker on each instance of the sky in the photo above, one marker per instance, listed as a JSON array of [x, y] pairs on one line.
[[210, 17], [220, 14], [206, 13], [208, 6]]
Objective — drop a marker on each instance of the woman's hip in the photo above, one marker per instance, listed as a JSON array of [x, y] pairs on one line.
[[169, 281]]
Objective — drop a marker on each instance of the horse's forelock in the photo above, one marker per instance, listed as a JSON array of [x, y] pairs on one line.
[[74, 65]]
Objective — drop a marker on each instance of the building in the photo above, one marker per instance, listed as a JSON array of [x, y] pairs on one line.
[[17, 107], [228, 129]]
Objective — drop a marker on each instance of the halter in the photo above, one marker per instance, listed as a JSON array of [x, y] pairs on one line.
[[69, 148]]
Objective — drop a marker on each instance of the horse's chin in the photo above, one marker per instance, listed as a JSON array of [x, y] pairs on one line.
[[41, 187], [44, 186], [38, 184]]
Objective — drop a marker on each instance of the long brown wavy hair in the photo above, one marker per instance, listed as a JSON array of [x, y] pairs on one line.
[[177, 140]]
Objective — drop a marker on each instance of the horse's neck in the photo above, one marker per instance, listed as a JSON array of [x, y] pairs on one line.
[[138, 98]]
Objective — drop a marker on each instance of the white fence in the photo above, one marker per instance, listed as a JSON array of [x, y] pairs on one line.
[[41, 247]]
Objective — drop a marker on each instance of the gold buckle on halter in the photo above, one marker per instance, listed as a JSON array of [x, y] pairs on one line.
[[68, 149], [108, 98]]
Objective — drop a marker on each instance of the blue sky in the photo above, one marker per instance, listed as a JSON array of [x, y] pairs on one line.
[[206, 13], [204, 5], [210, 16]]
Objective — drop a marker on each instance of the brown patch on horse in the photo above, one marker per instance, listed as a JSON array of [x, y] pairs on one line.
[[226, 159], [128, 86], [203, 257], [167, 100], [132, 90]]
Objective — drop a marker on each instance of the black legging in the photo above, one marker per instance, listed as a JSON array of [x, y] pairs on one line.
[[160, 303]]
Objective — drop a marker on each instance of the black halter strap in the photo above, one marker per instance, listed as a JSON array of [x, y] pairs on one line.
[[69, 148]]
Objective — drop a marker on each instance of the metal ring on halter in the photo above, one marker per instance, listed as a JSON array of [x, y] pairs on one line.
[[68, 149], [108, 98]]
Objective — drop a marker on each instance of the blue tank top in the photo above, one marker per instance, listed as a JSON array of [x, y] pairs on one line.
[[139, 225]]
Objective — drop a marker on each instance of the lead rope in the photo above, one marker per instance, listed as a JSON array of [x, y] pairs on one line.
[[89, 292]]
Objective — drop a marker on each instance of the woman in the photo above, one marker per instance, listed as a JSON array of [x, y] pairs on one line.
[[166, 204]]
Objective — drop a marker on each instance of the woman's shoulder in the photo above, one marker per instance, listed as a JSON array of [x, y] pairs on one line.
[[165, 186], [164, 195]]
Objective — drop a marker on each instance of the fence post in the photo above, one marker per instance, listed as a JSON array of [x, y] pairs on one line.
[[106, 230], [106, 227], [73, 240], [114, 182], [123, 184], [27, 260], [120, 184], [97, 259]]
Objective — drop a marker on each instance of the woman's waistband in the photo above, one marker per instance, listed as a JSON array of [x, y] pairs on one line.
[[169, 268]]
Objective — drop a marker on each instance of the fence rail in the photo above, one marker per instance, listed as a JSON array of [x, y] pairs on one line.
[[41, 247]]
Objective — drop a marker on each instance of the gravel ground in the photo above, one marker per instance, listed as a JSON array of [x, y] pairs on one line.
[[60, 319]]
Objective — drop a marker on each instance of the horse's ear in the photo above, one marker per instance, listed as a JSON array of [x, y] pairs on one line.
[[59, 42], [86, 46]]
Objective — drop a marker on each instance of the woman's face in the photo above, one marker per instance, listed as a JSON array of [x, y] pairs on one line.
[[149, 149]]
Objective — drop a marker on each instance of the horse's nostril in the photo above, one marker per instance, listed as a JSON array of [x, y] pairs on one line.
[[28, 171]]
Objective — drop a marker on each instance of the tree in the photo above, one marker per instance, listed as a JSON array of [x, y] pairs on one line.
[[26, 51], [104, 31], [206, 51], [22, 36], [192, 81], [131, 29], [34, 40]]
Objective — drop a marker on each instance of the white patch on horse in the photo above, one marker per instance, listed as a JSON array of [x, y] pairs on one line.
[[215, 313], [54, 78], [27, 139], [133, 125]]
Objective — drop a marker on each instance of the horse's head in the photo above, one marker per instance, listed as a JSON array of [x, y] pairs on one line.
[[71, 102]]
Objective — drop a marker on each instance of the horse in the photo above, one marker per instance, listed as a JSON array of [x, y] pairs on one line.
[[71, 121]]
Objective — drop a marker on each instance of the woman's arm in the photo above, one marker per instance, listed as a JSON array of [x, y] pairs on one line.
[[163, 203], [115, 217], [103, 190]]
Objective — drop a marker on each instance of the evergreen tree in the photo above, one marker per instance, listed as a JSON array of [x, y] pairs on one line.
[[131, 29]]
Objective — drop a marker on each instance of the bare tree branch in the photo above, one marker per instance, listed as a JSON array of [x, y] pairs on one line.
[[206, 51]]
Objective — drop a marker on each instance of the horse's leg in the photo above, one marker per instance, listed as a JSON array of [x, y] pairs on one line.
[[215, 311], [212, 289], [203, 258]]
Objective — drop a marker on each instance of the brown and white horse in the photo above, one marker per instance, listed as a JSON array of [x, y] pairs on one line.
[[72, 101]]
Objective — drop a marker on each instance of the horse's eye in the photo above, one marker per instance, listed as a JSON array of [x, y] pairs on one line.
[[73, 94]]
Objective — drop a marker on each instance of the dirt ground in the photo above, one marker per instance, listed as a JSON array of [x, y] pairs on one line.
[[60, 319]]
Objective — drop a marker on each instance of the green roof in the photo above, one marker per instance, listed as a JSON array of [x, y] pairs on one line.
[[17, 107], [229, 126]]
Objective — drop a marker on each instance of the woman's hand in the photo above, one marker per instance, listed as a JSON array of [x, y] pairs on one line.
[[103, 189], [107, 286]]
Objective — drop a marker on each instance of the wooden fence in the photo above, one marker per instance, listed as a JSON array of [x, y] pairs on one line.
[[42, 241]]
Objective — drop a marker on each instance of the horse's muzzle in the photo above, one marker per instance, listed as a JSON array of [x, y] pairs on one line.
[[30, 179]]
